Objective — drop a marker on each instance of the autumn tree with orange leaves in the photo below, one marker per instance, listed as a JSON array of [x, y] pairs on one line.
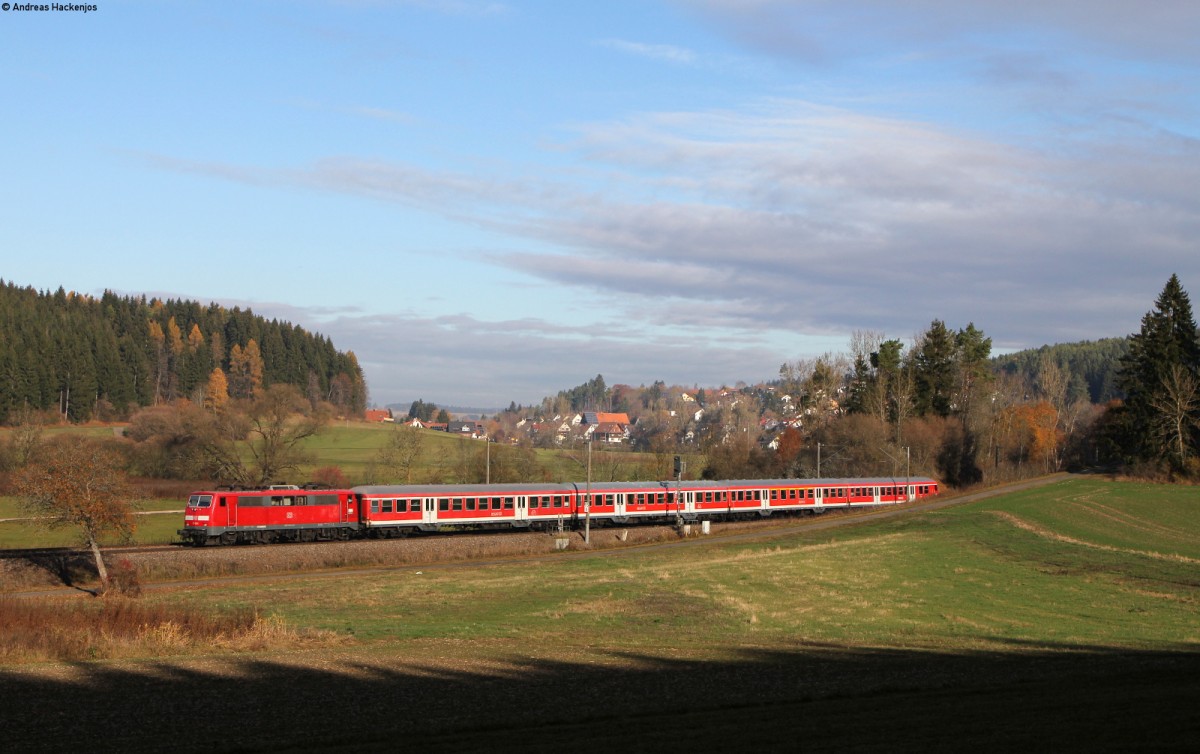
[[245, 370], [1036, 425], [80, 483], [216, 395]]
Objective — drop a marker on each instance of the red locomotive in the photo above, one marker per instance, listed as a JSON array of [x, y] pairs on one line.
[[294, 514]]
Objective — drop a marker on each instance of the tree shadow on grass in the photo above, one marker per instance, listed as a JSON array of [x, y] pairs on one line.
[[67, 567], [814, 698]]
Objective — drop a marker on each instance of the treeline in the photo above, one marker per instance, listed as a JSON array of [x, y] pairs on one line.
[[1092, 366], [86, 358], [941, 405]]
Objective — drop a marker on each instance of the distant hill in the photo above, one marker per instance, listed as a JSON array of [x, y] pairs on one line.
[[1092, 364], [461, 412], [88, 357]]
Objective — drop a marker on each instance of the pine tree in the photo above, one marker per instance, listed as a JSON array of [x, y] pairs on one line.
[[934, 362], [1163, 354]]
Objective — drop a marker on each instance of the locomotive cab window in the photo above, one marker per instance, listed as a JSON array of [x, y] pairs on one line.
[[200, 501]]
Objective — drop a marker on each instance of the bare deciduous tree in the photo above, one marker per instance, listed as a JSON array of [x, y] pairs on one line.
[[270, 433], [1176, 405], [399, 454]]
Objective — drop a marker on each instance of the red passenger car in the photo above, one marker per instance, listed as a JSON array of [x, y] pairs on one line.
[[396, 510]]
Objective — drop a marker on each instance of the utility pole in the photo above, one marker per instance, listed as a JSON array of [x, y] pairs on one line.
[[818, 460], [907, 468], [587, 502], [679, 465], [907, 473]]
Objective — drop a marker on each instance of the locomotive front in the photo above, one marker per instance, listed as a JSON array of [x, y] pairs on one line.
[[199, 519]]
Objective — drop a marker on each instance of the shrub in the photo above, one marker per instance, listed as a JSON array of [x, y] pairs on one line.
[[331, 476]]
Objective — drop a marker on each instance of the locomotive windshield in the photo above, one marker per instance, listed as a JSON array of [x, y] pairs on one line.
[[199, 501]]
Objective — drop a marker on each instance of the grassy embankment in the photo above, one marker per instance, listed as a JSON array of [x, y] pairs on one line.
[[1063, 618]]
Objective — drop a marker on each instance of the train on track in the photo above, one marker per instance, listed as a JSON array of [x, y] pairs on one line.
[[305, 514]]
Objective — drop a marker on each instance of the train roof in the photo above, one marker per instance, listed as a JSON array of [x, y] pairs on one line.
[[434, 490], [514, 488]]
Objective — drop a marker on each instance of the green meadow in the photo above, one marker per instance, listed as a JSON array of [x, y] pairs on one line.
[[1063, 618], [1084, 562], [152, 528], [354, 446]]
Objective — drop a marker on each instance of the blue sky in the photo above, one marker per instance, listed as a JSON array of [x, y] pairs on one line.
[[490, 201]]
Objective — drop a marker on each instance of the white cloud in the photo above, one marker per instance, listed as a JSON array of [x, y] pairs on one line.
[[489, 363], [663, 52], [786, 217]]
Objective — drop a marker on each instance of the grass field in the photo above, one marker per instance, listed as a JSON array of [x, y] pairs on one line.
[[1083, 563], [353, 447], [151, 529], [1061, 618]]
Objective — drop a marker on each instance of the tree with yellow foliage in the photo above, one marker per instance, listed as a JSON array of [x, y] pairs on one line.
[[245, 370], [216, 395]]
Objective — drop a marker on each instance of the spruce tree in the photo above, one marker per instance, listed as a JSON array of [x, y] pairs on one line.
[[936, 370], [1166, 343]]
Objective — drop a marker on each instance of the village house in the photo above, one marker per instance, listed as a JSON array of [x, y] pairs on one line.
[[472, 429], [379, 415]]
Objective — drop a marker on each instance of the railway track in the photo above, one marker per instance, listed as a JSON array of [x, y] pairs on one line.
[[435, 561], [64, 552], [839, 518]]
